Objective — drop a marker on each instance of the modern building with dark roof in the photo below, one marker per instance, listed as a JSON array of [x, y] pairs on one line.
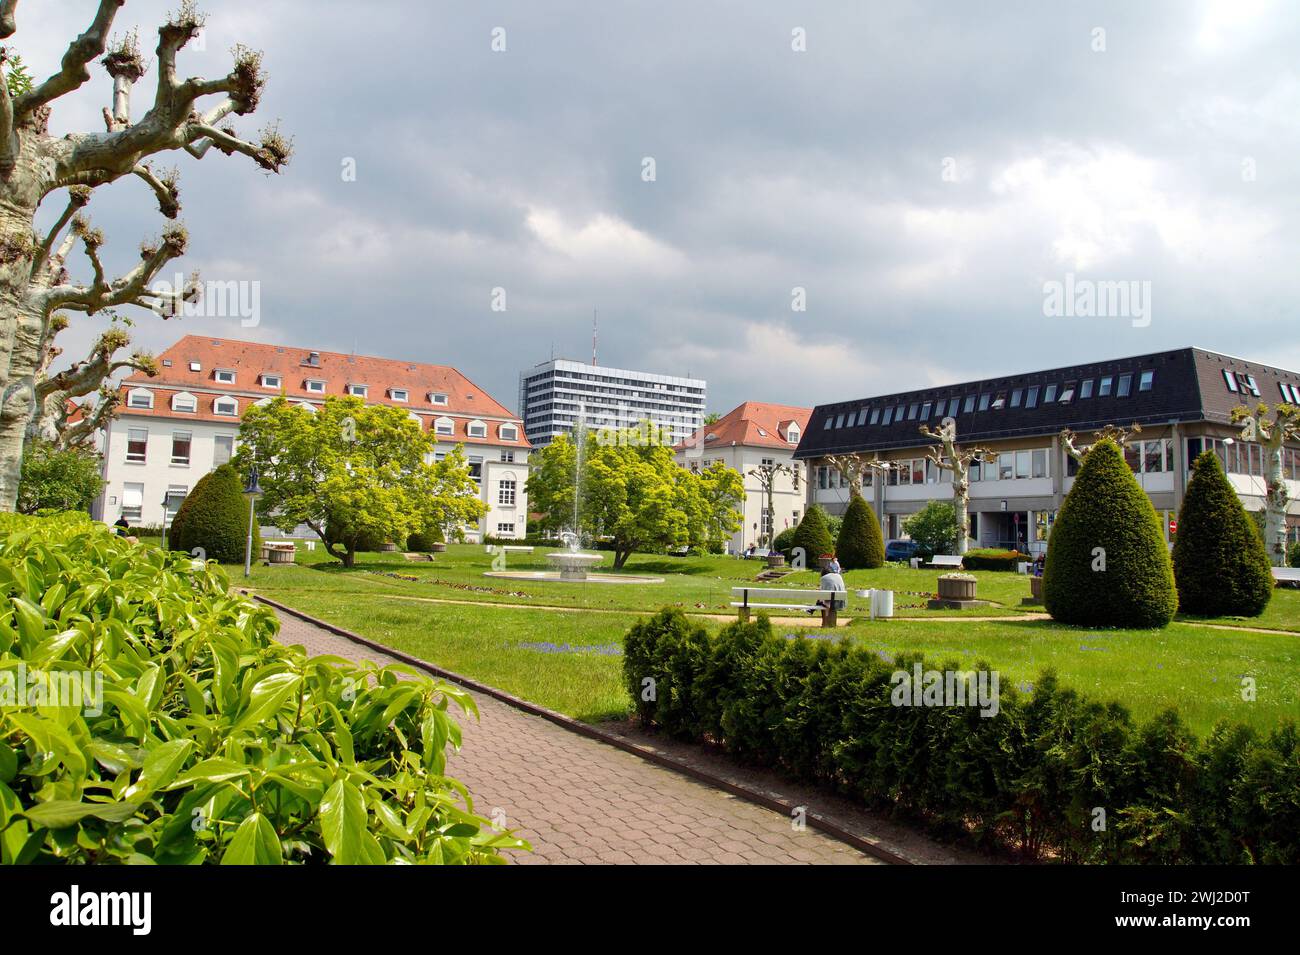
[[1182, 399]]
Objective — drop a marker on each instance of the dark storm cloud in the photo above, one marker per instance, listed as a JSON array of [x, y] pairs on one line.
[[775, 169]]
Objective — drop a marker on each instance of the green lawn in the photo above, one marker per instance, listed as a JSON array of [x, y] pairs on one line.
[[569, 660]]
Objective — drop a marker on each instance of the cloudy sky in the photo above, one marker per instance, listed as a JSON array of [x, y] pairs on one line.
[[919, 170]]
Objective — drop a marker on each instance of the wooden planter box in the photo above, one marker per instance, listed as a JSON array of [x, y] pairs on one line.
[[278, 553], [776, 560], [439, 548], [388, 547]]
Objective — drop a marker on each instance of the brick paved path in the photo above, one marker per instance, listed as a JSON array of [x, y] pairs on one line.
[[580, 801]]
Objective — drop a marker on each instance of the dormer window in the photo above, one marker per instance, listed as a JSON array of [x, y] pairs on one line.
[[184, 401], [224, 376], [437, 398], [397, 394], [508, 432], [272, 381], [307, 406], [358, 391], [476, 429], [444, 426], [315, 386], [792, 433], [139, 398], [195, 366], [227, 407]]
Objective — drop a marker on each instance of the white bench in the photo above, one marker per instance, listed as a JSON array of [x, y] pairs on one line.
[[945, 560], [838, 599], [1287, 576], [516, 549]]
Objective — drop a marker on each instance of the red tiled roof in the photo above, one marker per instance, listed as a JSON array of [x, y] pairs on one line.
[[250, 360], [755, 424]]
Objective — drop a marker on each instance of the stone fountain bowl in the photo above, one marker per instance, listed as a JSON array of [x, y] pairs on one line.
[[573, 564]]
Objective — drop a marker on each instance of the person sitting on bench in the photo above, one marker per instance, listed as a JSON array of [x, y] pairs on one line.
[[830, 581]]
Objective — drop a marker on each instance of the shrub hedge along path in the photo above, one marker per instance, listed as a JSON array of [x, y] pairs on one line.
[[580, 801]]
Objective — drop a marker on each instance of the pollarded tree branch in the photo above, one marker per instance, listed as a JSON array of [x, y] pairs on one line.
[[74, 70], [42, 263], [54, 392], [129, 289], [164, 188], [7, 22]]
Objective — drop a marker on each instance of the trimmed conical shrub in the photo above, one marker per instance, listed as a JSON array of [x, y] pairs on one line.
[[1220, 563], [813, 535], [215, 517], [860, 544], [1107, 563]]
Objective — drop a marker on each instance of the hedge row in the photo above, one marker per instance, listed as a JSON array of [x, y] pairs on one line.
[[992, 558], [1030, 778], [209, 742]]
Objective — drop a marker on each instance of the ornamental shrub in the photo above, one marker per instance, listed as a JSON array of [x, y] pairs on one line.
[[1025, 778], [205, 717], [784, 541], [423, 541], [992, 558], [214, 517], [1107, 563], [1220, 564], [860, 544], [813, 536]]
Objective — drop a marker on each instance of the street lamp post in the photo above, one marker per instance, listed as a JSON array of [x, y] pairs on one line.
[[252, 491]]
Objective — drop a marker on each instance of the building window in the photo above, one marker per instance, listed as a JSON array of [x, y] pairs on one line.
[[504, 529], [444, 426], [1230, 380], [184, 401], [1049, 394], [1006, 466], [315, 386], [139, 398], [974, 469], [1016, 395], [1125, 385], [1031, 397], [509, 432], [223, 449], [137, 441], [1022, 464], [271, 381], [507, 457], [968, 407], [1000, 401], [1040, 463], [397, 394], [889, 416], [227, 407], [181, 442], [1146, 381], [984, 402], [358, 391], [1104, 387], [195, 366], [436, 398], [175, 497], [224, 376], [792, 432], [506, 492], [477, 429], [1247, 383], [476, 468], [132, 501], [1068, 394], [1085, 389], [829, 423]]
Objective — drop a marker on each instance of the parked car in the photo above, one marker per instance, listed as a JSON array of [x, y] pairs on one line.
[[900, 550]]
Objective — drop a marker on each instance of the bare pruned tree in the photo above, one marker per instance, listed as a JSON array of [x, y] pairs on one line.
[[1272, 434], [35, 284], [949, 457], [1079, 451]]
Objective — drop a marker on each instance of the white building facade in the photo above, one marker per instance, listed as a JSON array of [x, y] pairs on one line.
[[757, 438], [178, 426], [555, 394]]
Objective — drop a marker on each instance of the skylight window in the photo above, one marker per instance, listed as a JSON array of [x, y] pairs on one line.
[[1049, 394], [1031, 397], [969, 406], [1068, 394], [1105, 386], [1248, 383], [1230, 380], [1146, 381], [1085, 389], [984, 402], [999, 402], [1015, 397], [1125, 386], [875, 416]]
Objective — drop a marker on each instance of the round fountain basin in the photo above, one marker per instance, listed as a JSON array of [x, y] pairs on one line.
[[573, 564]]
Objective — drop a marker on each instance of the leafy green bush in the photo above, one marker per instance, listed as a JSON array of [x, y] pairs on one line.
[[784, 541], [1025, 778], [209, 742], [1107, 563], [860, 544], [67, 480], [934, 528], [992, 558], [1220, 565], [813, 536], [1293, 554], [423, 541], [214, 517]]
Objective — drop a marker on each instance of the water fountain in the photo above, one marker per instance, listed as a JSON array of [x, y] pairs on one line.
[[572, 563]]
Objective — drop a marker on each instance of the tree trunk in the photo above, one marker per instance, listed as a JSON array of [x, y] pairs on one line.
[[961, 506], [1275, 506], [620, 557]]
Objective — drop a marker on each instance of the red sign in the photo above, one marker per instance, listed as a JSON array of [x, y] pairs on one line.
[[1173, 527]]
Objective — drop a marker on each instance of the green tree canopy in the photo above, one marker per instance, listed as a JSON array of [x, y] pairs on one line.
[[634, 493], [354, 472], [860, 544], [1107, 563], [58, 480], [934, 528], [1220, 564]]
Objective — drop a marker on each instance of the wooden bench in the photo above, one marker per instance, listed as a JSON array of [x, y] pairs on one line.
[[1286, 576], [945, 560], [838, 599]]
